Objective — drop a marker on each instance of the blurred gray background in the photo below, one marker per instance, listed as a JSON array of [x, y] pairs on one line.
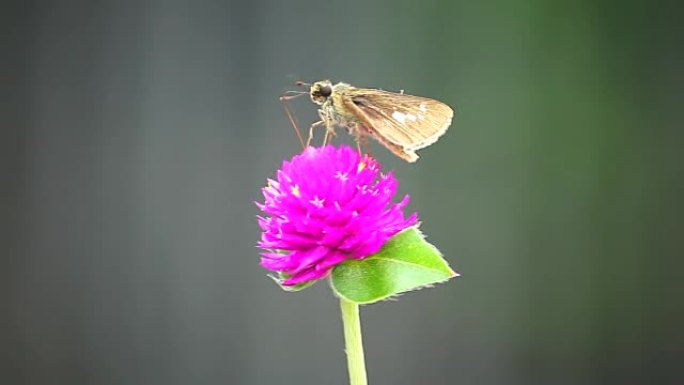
[[135, 136]]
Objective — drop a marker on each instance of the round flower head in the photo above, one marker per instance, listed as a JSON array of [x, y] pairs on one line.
[[328, 205]]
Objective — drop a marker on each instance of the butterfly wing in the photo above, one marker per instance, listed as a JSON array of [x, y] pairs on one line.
[[401, 122]]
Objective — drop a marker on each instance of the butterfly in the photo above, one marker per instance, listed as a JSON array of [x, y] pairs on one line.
[[400, 122]]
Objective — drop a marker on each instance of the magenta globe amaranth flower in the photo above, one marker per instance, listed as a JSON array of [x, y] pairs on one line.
[[327, 205]]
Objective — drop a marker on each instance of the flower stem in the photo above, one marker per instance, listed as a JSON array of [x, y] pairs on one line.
[[353, 343]]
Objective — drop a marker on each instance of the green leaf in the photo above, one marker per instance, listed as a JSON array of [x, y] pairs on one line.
[[292, 288], [406, 262]]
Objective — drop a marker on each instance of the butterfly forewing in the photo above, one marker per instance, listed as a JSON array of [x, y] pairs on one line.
[[411, 122]]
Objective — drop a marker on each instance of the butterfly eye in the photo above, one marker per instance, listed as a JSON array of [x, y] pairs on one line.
[[325, 91]]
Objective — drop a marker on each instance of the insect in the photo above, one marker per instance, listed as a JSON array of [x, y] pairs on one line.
[[402, 123]]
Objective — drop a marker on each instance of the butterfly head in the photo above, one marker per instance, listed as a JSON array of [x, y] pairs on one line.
[[320, 91]]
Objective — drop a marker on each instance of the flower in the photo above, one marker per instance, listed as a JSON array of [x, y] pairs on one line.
[[327, 205]]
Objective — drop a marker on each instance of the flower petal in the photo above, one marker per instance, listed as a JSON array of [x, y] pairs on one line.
[[325, 206]]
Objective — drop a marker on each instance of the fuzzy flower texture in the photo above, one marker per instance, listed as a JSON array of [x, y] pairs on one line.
[[328, 205]]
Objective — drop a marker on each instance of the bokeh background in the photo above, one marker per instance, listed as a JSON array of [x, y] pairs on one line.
[[135, 136]]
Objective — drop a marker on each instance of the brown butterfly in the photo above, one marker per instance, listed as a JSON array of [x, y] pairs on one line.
[[400, 122]]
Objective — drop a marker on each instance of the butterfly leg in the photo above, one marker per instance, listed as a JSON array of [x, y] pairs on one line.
[[362, 141], [311, 131], [366, 146], [284, 99], [329, 133], [329, 129]]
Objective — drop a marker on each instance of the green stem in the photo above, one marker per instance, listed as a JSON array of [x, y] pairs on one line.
[[353, 342]]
